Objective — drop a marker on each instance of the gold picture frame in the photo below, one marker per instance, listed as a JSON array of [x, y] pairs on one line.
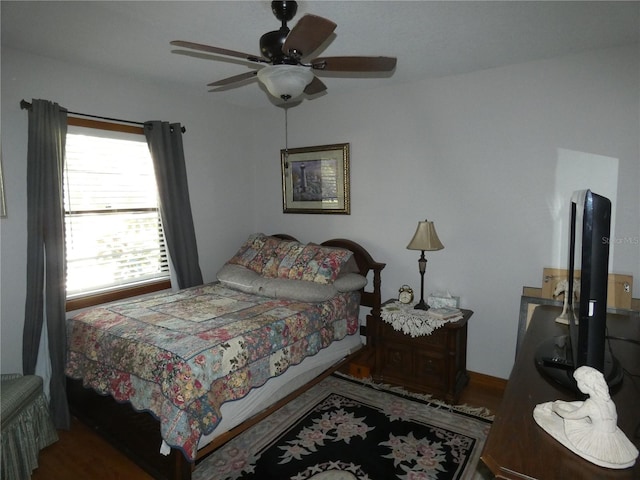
[[316, 179]]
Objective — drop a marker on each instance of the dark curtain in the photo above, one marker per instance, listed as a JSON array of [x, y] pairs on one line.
[[46, 296], [165, 144]]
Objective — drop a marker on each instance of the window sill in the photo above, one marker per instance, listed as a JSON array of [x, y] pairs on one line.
[[113, 295]]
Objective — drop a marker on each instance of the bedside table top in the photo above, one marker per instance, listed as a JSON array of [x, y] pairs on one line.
[[414, 322]]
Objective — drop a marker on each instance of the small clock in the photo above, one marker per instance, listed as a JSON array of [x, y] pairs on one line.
[[405, 294]]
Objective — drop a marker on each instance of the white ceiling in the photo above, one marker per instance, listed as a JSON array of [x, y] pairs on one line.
[[429, 38]]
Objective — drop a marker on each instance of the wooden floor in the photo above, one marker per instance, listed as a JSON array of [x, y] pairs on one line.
[[82, 454]]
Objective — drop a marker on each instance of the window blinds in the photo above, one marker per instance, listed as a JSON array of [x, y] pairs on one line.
[[113, 228]]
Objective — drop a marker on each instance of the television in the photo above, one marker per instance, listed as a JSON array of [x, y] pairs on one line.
[[585, 340]]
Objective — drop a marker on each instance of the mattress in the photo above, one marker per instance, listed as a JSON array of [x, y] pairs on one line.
[[237, 411]]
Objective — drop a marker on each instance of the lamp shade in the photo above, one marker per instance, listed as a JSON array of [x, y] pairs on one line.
[[425, 238], [285, 81]]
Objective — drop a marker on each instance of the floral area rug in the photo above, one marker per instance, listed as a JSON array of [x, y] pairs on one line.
[[342, 429]]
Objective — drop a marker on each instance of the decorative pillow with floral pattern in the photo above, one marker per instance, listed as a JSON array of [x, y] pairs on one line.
[[275, 258], [256, 252], [315, 264], [285, 252], [248, 250]]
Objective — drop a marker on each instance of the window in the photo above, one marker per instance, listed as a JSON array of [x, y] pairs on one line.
[[115, 245]]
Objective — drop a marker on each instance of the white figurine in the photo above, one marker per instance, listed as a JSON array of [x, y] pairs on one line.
[[589, 428], [563, 287]]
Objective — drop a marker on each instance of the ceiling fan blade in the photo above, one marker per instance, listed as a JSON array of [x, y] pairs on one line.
[[308, 34], [354, 64], [316, 86], [219, 51], [233, 79]]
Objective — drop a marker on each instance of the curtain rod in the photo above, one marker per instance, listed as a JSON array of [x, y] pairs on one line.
[[24, 105]]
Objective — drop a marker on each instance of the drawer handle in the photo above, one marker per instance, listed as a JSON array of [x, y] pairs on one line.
[[429, 365], [395, 358]]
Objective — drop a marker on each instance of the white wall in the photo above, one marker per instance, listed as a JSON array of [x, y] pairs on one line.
[[217, 164], [476, 154]]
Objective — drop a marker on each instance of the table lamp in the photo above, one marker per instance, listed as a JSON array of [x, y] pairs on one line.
[[425, 239]]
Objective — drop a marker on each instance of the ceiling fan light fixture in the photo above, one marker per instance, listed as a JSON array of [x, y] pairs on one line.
[[285, 81], [284, 50]]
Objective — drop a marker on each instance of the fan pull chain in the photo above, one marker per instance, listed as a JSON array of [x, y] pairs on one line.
[[286, 136]]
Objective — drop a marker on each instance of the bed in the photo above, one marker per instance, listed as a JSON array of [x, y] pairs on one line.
[[170, 377]]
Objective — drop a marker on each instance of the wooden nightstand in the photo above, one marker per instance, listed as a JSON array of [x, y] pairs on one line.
[[435, 364]]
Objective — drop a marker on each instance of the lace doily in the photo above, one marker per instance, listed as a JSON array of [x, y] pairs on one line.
[[406, 319]]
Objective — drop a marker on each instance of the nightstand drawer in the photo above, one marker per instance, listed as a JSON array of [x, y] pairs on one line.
[[413, 368], [433, 364], [431, 368], [396, 358]]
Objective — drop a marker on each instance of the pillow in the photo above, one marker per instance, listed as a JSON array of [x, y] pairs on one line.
[[297, 290], [283, 255], [247, 281], [350, 266], [249, 250], [349, 282], [315, 264], [240, 278], [288, 259]]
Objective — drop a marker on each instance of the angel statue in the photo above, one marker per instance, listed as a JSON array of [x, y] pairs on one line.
[[589, 428], [563, 287]]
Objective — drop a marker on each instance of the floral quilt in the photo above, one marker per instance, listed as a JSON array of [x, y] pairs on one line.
[[182, 355]]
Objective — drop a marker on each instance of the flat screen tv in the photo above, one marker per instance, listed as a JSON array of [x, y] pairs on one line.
[[585, 340]]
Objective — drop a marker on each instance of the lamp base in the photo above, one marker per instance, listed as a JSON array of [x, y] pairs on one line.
[[421, 305]]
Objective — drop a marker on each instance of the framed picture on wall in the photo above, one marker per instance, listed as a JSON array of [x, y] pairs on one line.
[[316, 179]]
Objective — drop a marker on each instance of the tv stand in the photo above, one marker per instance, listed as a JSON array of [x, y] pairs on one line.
[[554, 360], [517, 448]]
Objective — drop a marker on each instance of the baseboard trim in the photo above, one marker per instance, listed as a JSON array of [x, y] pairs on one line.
[[487, 381]]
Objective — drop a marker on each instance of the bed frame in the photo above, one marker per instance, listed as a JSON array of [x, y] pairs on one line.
[[137, 434]]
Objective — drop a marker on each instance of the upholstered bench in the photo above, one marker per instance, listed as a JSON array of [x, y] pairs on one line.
[[26, 425]]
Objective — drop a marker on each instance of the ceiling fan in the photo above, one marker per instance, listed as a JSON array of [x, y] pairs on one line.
[[287, 73]]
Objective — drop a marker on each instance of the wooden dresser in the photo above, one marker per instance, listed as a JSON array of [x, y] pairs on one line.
[[517, 448], [435, 364]]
